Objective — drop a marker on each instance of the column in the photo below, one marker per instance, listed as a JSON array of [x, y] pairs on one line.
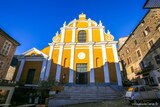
[[105, 63], [42, 75], [116, 61], [10, 94], [59, 64], [71, 72], [92, 80], [49, 62], [90, 30], [58, 72], [20, 69]]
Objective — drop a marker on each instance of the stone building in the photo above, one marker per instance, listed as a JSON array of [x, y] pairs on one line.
[[152, 4], [121, 41], [140, 41], [151, 65], [81, 54], [12, 68], [8, 46]]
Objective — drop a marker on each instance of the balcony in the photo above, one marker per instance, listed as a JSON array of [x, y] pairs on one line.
[[145, 70]]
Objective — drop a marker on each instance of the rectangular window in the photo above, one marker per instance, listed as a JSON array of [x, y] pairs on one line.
[[132, 69], [81, 67], [151, 43], [146, 31], [138, 53], [6, 48], [127, 51], [157, 58], [129, 60], [1, 64], [30, 76], [122, 56], [158, 27], [135, 42]]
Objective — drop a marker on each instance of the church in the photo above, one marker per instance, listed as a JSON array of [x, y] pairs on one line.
[[81, 54]]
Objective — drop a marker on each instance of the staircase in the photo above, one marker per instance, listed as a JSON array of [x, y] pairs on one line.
[[83, 94]]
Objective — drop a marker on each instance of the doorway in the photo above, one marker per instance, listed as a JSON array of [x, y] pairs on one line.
[[81, 74]]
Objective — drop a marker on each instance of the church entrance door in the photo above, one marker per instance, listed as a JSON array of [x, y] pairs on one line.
[[81, 74]]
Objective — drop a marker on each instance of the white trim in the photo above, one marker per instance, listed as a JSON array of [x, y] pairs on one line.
[[37, 51], [73, 21], [87, 43], [102, 34], [92, 80], [58, 71], [31, 85], [116, 60], [49, 62], [62, 35], [74, 32], [31, 59], [105, 65], [90, 34], [71, 72], [9, 96], [20, 69], [42, 75]]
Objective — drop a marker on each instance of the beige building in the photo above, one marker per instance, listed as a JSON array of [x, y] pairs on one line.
[[7, 49], [121, 41], [140, 41]]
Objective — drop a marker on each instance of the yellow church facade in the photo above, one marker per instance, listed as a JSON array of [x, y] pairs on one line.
[[82, 53]]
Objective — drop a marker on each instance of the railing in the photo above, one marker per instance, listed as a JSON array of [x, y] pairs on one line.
[[145, 70], [7, 82]]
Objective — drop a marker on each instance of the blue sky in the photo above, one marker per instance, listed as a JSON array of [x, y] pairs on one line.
[[33, 23]]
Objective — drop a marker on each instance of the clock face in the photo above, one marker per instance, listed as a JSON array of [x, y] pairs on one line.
[[81, 55]]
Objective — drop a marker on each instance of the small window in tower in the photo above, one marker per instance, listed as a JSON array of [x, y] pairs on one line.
[[82, 36]]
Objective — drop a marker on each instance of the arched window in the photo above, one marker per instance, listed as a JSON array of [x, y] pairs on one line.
[[82, 36], [97, 62], [65, 62]]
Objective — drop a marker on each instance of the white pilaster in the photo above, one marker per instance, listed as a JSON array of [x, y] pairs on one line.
[[58, 71], [116, 61], [105, 63], [62, 34], [43, 69], [90, 30], [92, 80], [71, 72], [20, 69], [49, 63]]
